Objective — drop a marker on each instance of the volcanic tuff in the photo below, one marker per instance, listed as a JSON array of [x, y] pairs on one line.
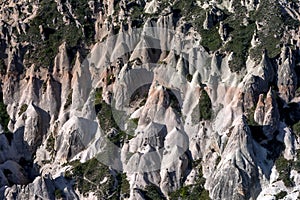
[[149, 99]]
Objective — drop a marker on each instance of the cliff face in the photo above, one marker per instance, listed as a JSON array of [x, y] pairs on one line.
[[149, 99]]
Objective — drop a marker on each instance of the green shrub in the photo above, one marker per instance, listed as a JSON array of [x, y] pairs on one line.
[[240, 43], [218, 160], [189, 77], [195, 191], [4, 117], [250, 117], [23, 109], [98, 96], [44, 87], [281, 195], [2, 66], [284, 168], [88, 175], [195, 15], [50, 144], [125, 186], [203, 111], [153, 192], [108, 118], [275, 21], [192, 192], [58, 194], [296, 164], [211, 39], [131, 126], [69, 100], [296, 128], [173, 102], [42, 52]]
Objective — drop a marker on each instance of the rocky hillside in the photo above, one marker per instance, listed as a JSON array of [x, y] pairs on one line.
[[150, 99]]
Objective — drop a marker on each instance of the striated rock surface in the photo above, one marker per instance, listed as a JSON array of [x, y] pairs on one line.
[[149, 99]]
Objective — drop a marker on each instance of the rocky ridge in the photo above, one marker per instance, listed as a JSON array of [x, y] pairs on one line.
[[107, 99]]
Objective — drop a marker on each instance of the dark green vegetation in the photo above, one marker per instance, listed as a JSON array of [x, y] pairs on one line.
[[211, 39], [240, 43], [284, 168], [296, 128], [89, 175], [132, 125], [250, 117], [241, 35], [136, 13], [84, 16], [280, 195], [192, 192], [23, 109], [241, 29], [195, 15], [123, 185], [58, 194], [4, 117], [44, 47], [273, 24], [152, 192], [50, 144], [2, 66], [173, 102], [69, 100], [109, 118], [139, 97], [189, 77], [203, 111]]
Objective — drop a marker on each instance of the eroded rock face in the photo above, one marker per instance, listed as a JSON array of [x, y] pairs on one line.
[[236, 167], [287, 77], [147, 95]]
